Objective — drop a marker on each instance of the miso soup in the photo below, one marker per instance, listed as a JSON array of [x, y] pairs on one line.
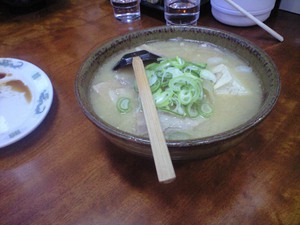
[[229, 86]]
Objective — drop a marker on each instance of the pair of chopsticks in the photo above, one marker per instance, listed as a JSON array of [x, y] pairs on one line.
[[258, 22]]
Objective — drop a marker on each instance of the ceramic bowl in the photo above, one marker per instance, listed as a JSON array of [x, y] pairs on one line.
[[227, 14], [188, 149]]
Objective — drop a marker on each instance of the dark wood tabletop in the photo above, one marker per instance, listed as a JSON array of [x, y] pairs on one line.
[[67, 172]]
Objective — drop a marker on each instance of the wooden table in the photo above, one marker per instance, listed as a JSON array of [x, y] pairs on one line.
[[66, 172]]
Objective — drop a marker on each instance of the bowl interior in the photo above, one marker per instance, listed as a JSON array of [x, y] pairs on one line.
[[257, 58]]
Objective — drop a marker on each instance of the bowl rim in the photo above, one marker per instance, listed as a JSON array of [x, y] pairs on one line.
[[228, 134]]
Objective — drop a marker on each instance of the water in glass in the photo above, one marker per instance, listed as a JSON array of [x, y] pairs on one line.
[[182, 12], [126, 11]]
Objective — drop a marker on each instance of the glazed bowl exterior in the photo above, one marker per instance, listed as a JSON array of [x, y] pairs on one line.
[[184, 149]]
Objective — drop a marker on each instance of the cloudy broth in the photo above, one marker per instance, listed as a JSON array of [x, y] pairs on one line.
[[230, 110]]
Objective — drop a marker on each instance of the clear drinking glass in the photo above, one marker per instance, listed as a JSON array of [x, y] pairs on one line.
[[182, 12], [126, 11]]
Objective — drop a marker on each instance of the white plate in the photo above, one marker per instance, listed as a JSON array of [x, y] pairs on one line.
[[26, 95]]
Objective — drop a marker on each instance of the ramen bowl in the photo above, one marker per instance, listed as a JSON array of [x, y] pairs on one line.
[[198, 148]]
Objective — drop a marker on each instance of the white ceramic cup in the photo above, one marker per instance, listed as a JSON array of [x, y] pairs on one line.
[[227, 14]]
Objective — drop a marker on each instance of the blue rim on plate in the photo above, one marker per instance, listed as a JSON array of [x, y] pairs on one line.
[[26, 95]]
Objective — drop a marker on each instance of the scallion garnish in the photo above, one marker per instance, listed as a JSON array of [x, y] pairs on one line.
[[123, 105], [179, 87]]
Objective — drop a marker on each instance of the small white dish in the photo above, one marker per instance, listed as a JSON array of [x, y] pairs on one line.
[[26, 95]]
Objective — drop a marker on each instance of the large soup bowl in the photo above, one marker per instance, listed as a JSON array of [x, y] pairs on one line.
[[181, 149]]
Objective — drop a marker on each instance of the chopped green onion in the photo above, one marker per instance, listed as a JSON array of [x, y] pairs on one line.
[[123, 105], [206, 110], [161, 98], [154, 82], [185, 96], [192, 110], [180, 87]]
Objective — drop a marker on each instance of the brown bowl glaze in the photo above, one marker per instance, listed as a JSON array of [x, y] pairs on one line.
[[187, 149]]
